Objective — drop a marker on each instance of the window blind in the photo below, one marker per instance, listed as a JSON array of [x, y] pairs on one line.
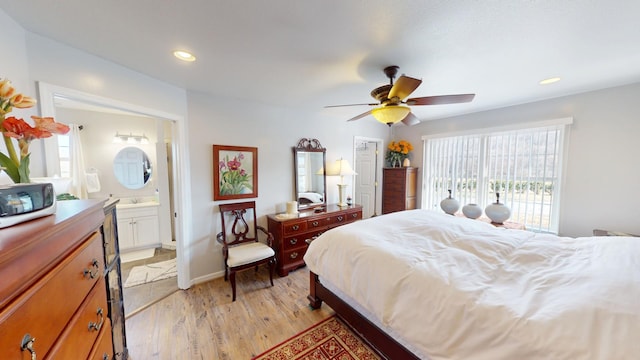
[[523, 166]]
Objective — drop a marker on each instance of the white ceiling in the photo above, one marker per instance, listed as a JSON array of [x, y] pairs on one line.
[[307, 54]]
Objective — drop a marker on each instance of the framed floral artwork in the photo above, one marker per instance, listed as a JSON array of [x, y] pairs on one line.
[[235, 172]]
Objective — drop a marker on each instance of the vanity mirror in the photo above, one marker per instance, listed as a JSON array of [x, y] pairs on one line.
[[310, 180], [132, 167]]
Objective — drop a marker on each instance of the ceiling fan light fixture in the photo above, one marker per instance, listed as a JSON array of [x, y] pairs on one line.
[[390, 114]]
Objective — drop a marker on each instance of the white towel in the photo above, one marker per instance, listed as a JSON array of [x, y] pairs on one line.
[[93, 182]]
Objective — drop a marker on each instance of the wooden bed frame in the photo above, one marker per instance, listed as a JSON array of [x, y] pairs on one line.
[[382, 342]]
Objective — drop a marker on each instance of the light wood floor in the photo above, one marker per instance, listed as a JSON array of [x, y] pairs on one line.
[[203, 323]]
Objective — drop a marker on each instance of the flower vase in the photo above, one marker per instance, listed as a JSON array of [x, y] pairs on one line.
[[450, 205], [497, 212], [472, 211]]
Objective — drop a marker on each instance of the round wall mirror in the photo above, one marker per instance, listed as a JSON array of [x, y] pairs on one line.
[[132, 168]]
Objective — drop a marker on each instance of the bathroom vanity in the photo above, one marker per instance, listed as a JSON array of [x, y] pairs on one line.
[[138, 226]]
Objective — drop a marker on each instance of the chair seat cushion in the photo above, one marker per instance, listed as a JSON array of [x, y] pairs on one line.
[[248, 253]]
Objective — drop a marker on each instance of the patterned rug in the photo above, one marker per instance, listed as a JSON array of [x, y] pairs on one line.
[[151, 272], [328, 340]]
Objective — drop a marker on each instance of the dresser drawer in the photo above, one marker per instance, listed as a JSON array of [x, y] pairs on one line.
[[291, 228], [354, 215], [43, 311], [294, 256], [338, 219], [294, 242], [82, 332], [319, 223], [103, 349]]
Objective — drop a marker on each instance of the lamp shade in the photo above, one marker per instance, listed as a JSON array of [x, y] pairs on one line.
[[390, 114], [340, 167]]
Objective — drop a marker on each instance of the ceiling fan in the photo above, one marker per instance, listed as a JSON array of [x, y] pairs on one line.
[[392, 106]]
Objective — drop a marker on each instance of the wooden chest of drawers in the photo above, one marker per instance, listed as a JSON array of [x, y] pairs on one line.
[[291, 235], [53, 301], [398, 189]]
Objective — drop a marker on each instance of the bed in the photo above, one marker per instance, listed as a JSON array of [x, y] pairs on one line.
[[310, 198], [424, 285]]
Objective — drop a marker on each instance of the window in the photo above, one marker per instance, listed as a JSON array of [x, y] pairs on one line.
[[64, 155], [523, 166]]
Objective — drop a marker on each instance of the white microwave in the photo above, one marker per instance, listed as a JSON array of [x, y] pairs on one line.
[[23, 202]]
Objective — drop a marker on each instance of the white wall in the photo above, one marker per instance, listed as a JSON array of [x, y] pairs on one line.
[[274, 131], [15, 67], [602, 176]]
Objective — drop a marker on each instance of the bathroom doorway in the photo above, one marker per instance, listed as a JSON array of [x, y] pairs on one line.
[[54, 99]]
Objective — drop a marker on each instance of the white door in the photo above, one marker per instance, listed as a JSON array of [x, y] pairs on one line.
[[366, 182]]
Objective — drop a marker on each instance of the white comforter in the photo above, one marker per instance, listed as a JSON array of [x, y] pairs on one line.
[[455, 288]]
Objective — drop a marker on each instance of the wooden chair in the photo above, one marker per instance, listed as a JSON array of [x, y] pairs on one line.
[[241, 248]]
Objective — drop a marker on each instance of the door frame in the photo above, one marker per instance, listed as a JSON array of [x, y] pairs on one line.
[[179, 139]]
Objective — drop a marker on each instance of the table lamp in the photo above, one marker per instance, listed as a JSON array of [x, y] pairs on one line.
[[341, 168]]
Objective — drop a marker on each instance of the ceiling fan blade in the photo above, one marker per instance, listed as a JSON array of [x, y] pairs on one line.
[[441, 99], [410, 119], [360, 116], [369, 104], [404, 87]]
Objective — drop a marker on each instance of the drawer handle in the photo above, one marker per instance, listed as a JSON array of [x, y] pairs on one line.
[[315, 223], [295, 227], [293, 255], [105, 356], [293, 241], [97, 326], [27, 344], [91, 273], [354, 215], [340, 218]]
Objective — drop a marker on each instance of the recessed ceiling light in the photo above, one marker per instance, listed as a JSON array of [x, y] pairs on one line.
[[549, 81], [184, 55]]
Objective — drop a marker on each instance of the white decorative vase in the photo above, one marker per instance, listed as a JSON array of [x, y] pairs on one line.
[[406, 162], [497, 212], [472, 211], [450, 205]]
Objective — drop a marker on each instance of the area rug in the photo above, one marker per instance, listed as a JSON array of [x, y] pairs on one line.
[[328, 340], [151, 272]]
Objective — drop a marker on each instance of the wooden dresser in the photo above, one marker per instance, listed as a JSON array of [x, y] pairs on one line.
[[291, 234], [53, 296], [398, 189]]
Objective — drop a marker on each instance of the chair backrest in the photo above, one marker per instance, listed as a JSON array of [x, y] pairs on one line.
[[242, 217]]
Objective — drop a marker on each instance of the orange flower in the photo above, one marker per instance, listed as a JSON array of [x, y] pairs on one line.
[[22, 102], [9, 98], [398, 151], [25, 133], [11, 127]]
